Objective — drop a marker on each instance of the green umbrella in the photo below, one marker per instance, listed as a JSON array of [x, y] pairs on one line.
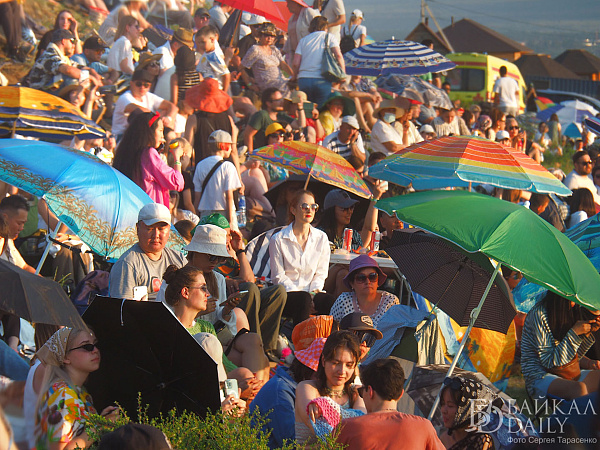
[[508, 233]]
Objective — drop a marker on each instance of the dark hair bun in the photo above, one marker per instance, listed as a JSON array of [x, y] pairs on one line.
[[170, 273]]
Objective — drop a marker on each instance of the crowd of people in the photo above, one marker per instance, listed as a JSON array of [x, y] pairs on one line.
[[183, 110]]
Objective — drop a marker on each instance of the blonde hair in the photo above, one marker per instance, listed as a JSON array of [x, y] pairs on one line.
[[124, 22]]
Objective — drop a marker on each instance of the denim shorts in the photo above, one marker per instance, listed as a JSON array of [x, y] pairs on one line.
[[540, 386]]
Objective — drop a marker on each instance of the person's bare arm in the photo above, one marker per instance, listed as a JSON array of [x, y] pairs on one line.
[[340, 58], [70, 71], [190, 129], [341, 20], [363, 37], [132, 107], [237, 244], [124, 66], [89, 101], [286, 68], [296, 66], [392, 147], [249, 133], [230, 207], [168, 109], [174, 88], [370, 224], [226, 81]]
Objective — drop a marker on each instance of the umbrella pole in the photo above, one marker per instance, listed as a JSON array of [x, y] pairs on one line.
[[306, 183], [473, 318], [47, 249]]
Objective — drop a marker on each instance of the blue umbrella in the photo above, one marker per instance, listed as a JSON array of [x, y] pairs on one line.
[[593, 124], [97, 202], [570, 111], [414, 88], [392, 56], [586, 235]]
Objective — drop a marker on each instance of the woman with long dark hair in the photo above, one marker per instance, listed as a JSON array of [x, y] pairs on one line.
[[334, 377], [64, 21], [581, 205], [556, 335], [138, 159]]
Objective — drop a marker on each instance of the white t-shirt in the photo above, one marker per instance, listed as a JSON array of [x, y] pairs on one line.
[[224, 179], [120, 50], [507, 88], [150, 101], [334, 9], [356, 31], [167, 59], [311, 49], [383, 132], [163, 85]]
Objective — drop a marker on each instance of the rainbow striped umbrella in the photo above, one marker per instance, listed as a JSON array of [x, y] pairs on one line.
[[460, 160], [314, 161], [34, 113]]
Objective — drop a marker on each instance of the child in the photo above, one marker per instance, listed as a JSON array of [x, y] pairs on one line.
[[215, 193], [212, 63]]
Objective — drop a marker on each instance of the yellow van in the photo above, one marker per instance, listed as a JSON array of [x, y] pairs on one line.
[[472, 80]]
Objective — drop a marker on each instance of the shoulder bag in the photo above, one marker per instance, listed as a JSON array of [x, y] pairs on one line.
[[330, 68]]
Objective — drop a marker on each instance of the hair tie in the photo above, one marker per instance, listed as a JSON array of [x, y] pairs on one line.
[[154, 119]]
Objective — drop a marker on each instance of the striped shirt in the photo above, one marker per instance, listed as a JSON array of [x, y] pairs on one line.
[[539, 349], [333, 143]]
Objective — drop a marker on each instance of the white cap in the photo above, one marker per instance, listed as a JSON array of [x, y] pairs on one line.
[[252, 19], [502, 134], [153, 213], [427, 129], [351, 120], [213, 348], [358, 13], [220, 136]]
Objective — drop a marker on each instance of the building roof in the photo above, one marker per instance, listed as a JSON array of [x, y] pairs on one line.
[[543, 66], [581, 62], [466, 35], [423, 31]]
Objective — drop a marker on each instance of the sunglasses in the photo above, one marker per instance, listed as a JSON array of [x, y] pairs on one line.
[[365, 337], [307, 207], [349, 208], [277, 135], [143, 84], [362, 278], [87, 347], [586, 163], [269, 35], [203, 288], [361, 390], [217, 259], [73, 40], [514, 127]]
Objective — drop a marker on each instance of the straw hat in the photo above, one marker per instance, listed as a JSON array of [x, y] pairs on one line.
[[207, 97], [387, 104], [146, 58], [184, 36]]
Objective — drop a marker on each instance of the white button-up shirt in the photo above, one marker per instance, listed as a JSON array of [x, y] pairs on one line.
[[297, 269]]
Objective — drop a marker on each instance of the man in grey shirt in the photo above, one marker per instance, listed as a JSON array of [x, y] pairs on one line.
[[138, 272]]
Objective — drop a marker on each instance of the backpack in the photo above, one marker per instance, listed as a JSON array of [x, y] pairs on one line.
[[347, 42]]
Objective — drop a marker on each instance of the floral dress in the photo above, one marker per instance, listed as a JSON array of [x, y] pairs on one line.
[[62, 414], [265, 68]]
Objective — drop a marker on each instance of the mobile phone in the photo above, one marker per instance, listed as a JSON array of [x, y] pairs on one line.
[[139, 292], [85, 75], [230, 387]]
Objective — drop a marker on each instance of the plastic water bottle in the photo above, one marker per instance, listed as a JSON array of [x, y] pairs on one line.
[[241, 212]]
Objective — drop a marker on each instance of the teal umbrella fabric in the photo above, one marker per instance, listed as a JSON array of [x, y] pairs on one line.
[[511, 234], [97, 202]]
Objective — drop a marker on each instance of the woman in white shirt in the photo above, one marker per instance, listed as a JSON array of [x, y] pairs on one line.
[[384, 137], [299, 257], [120, 56]]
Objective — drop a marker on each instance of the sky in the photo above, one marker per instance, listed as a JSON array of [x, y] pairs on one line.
[[546, 26]]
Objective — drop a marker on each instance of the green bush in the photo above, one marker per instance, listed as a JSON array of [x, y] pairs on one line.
[[188, 431]]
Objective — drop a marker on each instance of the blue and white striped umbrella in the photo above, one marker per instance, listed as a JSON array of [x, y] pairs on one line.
[[593, 124], [392, 56]]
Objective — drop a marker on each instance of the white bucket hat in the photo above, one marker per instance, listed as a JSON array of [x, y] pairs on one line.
[[210, 240]]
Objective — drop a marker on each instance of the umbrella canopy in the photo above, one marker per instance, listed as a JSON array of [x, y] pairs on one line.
[[393, 56], [452, 279], [265, 8], [314, 161], [97, 202], [586, 236], [592, 124], [35, 299], [510, 234], [34, 113], [146, 349], [415, 89], [570, 111], [460, 160]]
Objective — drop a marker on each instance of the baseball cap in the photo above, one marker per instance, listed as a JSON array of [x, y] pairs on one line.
[[273, 128], [142, 75], [502, 134], [358, 13], [201, 12], [252, 19], [60, 34], [221, 137], [338, 197], [427, 129], [95, 43], [153, 213], [360, 322], [351, 120]]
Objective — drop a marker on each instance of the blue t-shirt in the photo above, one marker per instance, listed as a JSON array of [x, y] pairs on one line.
[[100, 68], [275, 401]]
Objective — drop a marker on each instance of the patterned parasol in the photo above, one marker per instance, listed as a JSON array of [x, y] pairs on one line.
[[392, 56], [460, 160], [97, 202], [315, 161], [34, 113]]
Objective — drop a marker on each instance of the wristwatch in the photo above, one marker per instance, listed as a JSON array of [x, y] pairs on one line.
[[240, 251]]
